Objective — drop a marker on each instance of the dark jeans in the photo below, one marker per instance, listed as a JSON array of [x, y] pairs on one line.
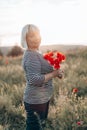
[[36, 115]]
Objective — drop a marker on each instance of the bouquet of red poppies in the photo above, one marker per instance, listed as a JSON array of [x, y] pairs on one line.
[[54, 58]]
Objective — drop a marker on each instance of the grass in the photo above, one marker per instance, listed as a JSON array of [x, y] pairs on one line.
[[68, 110]]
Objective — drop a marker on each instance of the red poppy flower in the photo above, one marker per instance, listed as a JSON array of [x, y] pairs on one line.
[[56, 61], [56, 66], [54, 58], [46, 56], [6, 62], [78, 123], [50, 53], [51, 60], [75, 90], [63, 57]]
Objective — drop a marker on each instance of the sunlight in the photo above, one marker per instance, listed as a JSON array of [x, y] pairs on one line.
[[59, 21]]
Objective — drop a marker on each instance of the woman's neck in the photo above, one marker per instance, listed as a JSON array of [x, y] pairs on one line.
[[33, 49]]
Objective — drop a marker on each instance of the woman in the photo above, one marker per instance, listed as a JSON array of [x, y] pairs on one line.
[[39, 74]]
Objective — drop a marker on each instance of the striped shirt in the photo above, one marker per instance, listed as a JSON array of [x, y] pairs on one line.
[[35, 68]]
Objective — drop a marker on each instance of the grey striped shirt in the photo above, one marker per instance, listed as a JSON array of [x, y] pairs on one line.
[[35, 67]]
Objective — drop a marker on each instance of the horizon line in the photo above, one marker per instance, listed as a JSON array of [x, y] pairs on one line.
[[63, 44]]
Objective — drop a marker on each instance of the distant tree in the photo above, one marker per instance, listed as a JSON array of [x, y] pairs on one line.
[[15, 51], [1, 54]]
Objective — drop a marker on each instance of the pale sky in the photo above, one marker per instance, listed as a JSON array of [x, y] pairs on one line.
[[60, 21]]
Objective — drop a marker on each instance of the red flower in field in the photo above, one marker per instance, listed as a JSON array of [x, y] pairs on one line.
[[75, 90], [79, 122], [6, 62], [54, 58]]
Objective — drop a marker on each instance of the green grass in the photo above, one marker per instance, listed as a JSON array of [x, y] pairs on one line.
[[66, 108]]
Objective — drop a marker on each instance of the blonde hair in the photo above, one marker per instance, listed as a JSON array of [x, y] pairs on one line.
[[31, 30]]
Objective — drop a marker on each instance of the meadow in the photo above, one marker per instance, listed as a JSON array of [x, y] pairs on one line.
[[68, 106]]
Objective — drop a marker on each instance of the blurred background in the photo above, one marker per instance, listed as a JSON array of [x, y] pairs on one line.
[[63, 25], [60, 21]]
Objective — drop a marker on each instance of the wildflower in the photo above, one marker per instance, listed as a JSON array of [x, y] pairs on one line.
[[75, 90], [79, 122], [6, 62]]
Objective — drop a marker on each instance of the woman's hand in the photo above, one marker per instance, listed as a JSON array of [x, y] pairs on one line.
[[56, 73], [60, 73]]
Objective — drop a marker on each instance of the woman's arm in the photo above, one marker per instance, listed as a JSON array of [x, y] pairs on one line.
[[56, 73], [33, 72]]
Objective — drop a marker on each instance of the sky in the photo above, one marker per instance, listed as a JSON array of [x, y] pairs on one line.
[[60, 21]]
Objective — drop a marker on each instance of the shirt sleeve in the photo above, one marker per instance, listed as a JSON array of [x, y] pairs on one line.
[[33, 71]]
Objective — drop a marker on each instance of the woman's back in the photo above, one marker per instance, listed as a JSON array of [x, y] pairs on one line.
[[35, 67]]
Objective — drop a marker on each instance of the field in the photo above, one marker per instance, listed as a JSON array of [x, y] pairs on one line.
[[68, 107]]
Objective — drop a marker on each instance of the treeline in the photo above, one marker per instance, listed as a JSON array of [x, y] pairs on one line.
[[15, 51]]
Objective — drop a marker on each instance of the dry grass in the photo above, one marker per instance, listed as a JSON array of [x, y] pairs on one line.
[[66, 108]]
